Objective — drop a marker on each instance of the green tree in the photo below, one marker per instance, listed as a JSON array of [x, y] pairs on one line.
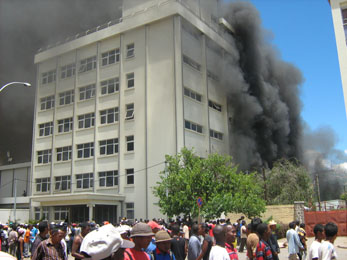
[[286, 182], [215, 179]]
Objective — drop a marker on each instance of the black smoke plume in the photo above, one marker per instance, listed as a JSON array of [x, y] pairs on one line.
[[25, 27], [263, 94]]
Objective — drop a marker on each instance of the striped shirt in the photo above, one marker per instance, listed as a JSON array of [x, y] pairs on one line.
[[232, 251], [263, 251], [47, 251]]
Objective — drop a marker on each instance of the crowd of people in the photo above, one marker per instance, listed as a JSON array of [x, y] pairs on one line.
[[158, 240]]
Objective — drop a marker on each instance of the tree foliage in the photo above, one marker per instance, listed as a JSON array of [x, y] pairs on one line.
[[287, 182], [215, 179]]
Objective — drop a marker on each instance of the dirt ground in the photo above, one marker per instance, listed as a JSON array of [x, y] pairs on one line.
[[340, 241]]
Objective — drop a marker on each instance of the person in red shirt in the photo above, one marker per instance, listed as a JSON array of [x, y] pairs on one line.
[[229, 242], [142, 236], [263, 251]]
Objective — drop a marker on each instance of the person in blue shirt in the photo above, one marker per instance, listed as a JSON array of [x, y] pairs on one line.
[[163, 249]]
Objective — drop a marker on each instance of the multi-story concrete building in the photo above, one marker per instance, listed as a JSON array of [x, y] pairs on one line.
[[111, 104], [339, 14], [15, 192]]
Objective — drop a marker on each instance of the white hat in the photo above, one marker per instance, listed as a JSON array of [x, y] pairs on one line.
[[102, 242], [123, 229]]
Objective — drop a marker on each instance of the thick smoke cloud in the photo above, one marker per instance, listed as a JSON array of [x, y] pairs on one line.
[[263, 94], [26, 26]]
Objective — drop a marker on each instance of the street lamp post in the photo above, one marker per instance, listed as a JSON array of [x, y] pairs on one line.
[[26, 84]]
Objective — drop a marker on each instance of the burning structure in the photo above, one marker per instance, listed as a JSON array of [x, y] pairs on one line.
[[112, 102]]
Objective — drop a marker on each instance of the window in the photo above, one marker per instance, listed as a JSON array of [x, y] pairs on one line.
[[87, 92], [64, 153], [344, 21], [68, 71], [109, 116], [43, 184], [193, 126], [192, 63], [37, 213], [61, 213], [110, 57], [85, 181], [130, 212], [215, 106], [129, 111], [65, 125], [215, 134], [46, 129], [66, 97], [108, 179], [109, 146], [130, 176], [213, 76], [130, 50], [109, 86], [87, 64], [131, 80], [85, 150], [192, 94], [86, 120], [44, 156], [62, 183], [48, 77], [45, 213], [47, 102], [130, 143]]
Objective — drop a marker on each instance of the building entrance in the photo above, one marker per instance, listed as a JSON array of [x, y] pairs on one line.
[[105, 213]]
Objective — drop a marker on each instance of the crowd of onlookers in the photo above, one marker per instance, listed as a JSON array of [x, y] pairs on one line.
[[156, 239]]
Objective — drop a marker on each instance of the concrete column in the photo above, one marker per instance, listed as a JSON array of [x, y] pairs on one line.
[[299, 211], [91, 206]]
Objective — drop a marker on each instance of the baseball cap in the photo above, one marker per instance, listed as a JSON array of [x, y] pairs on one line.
[[141, 230], [123, 229], [154, 225], [102, 242]]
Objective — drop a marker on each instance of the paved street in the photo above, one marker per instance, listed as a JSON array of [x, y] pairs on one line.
[[340, 241]]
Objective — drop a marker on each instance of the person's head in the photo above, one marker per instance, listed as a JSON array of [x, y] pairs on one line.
[[318, 231], [297, 223], [254, 224], [330, 231], [85, 228], [56, 235], [219, 234], [175, 229], [195, 229], [243, 222], [163, 241], [230, 234], [205, 227], [105, 243], [292, 225], [141, 235], [302, 225], [264, 231], [272, 225], [43, 228], [154, 226]]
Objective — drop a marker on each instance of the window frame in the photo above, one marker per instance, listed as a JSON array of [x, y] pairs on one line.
[[87, 92], [66, 97], [44, 156], [46, 129], [189, 125], [84, 180], [68, 70], [48, 77], [61, 182], [216, 135], [108, 179], [129, 112], [43, 182], [87, 64], [130, 176], [215, 105], [130, 50], [130, 210], [65, 123], [109, 116], [64, 152], [192, 94], [130, 143], [110, 57], [130, 80], [109, 146], [85, 150], [109, 86], [86, 121], [47, 102]]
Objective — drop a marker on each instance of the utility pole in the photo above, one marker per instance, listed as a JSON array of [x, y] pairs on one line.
[[318, 191]]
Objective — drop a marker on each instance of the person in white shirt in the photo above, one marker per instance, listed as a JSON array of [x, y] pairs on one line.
[[319, 236], [218, 252], [326, 250]]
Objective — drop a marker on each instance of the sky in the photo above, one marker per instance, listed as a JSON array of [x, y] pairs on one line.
[[303, 33]]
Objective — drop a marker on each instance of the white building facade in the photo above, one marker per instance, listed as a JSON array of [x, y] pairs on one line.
[[111, 104], [339, 14]]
